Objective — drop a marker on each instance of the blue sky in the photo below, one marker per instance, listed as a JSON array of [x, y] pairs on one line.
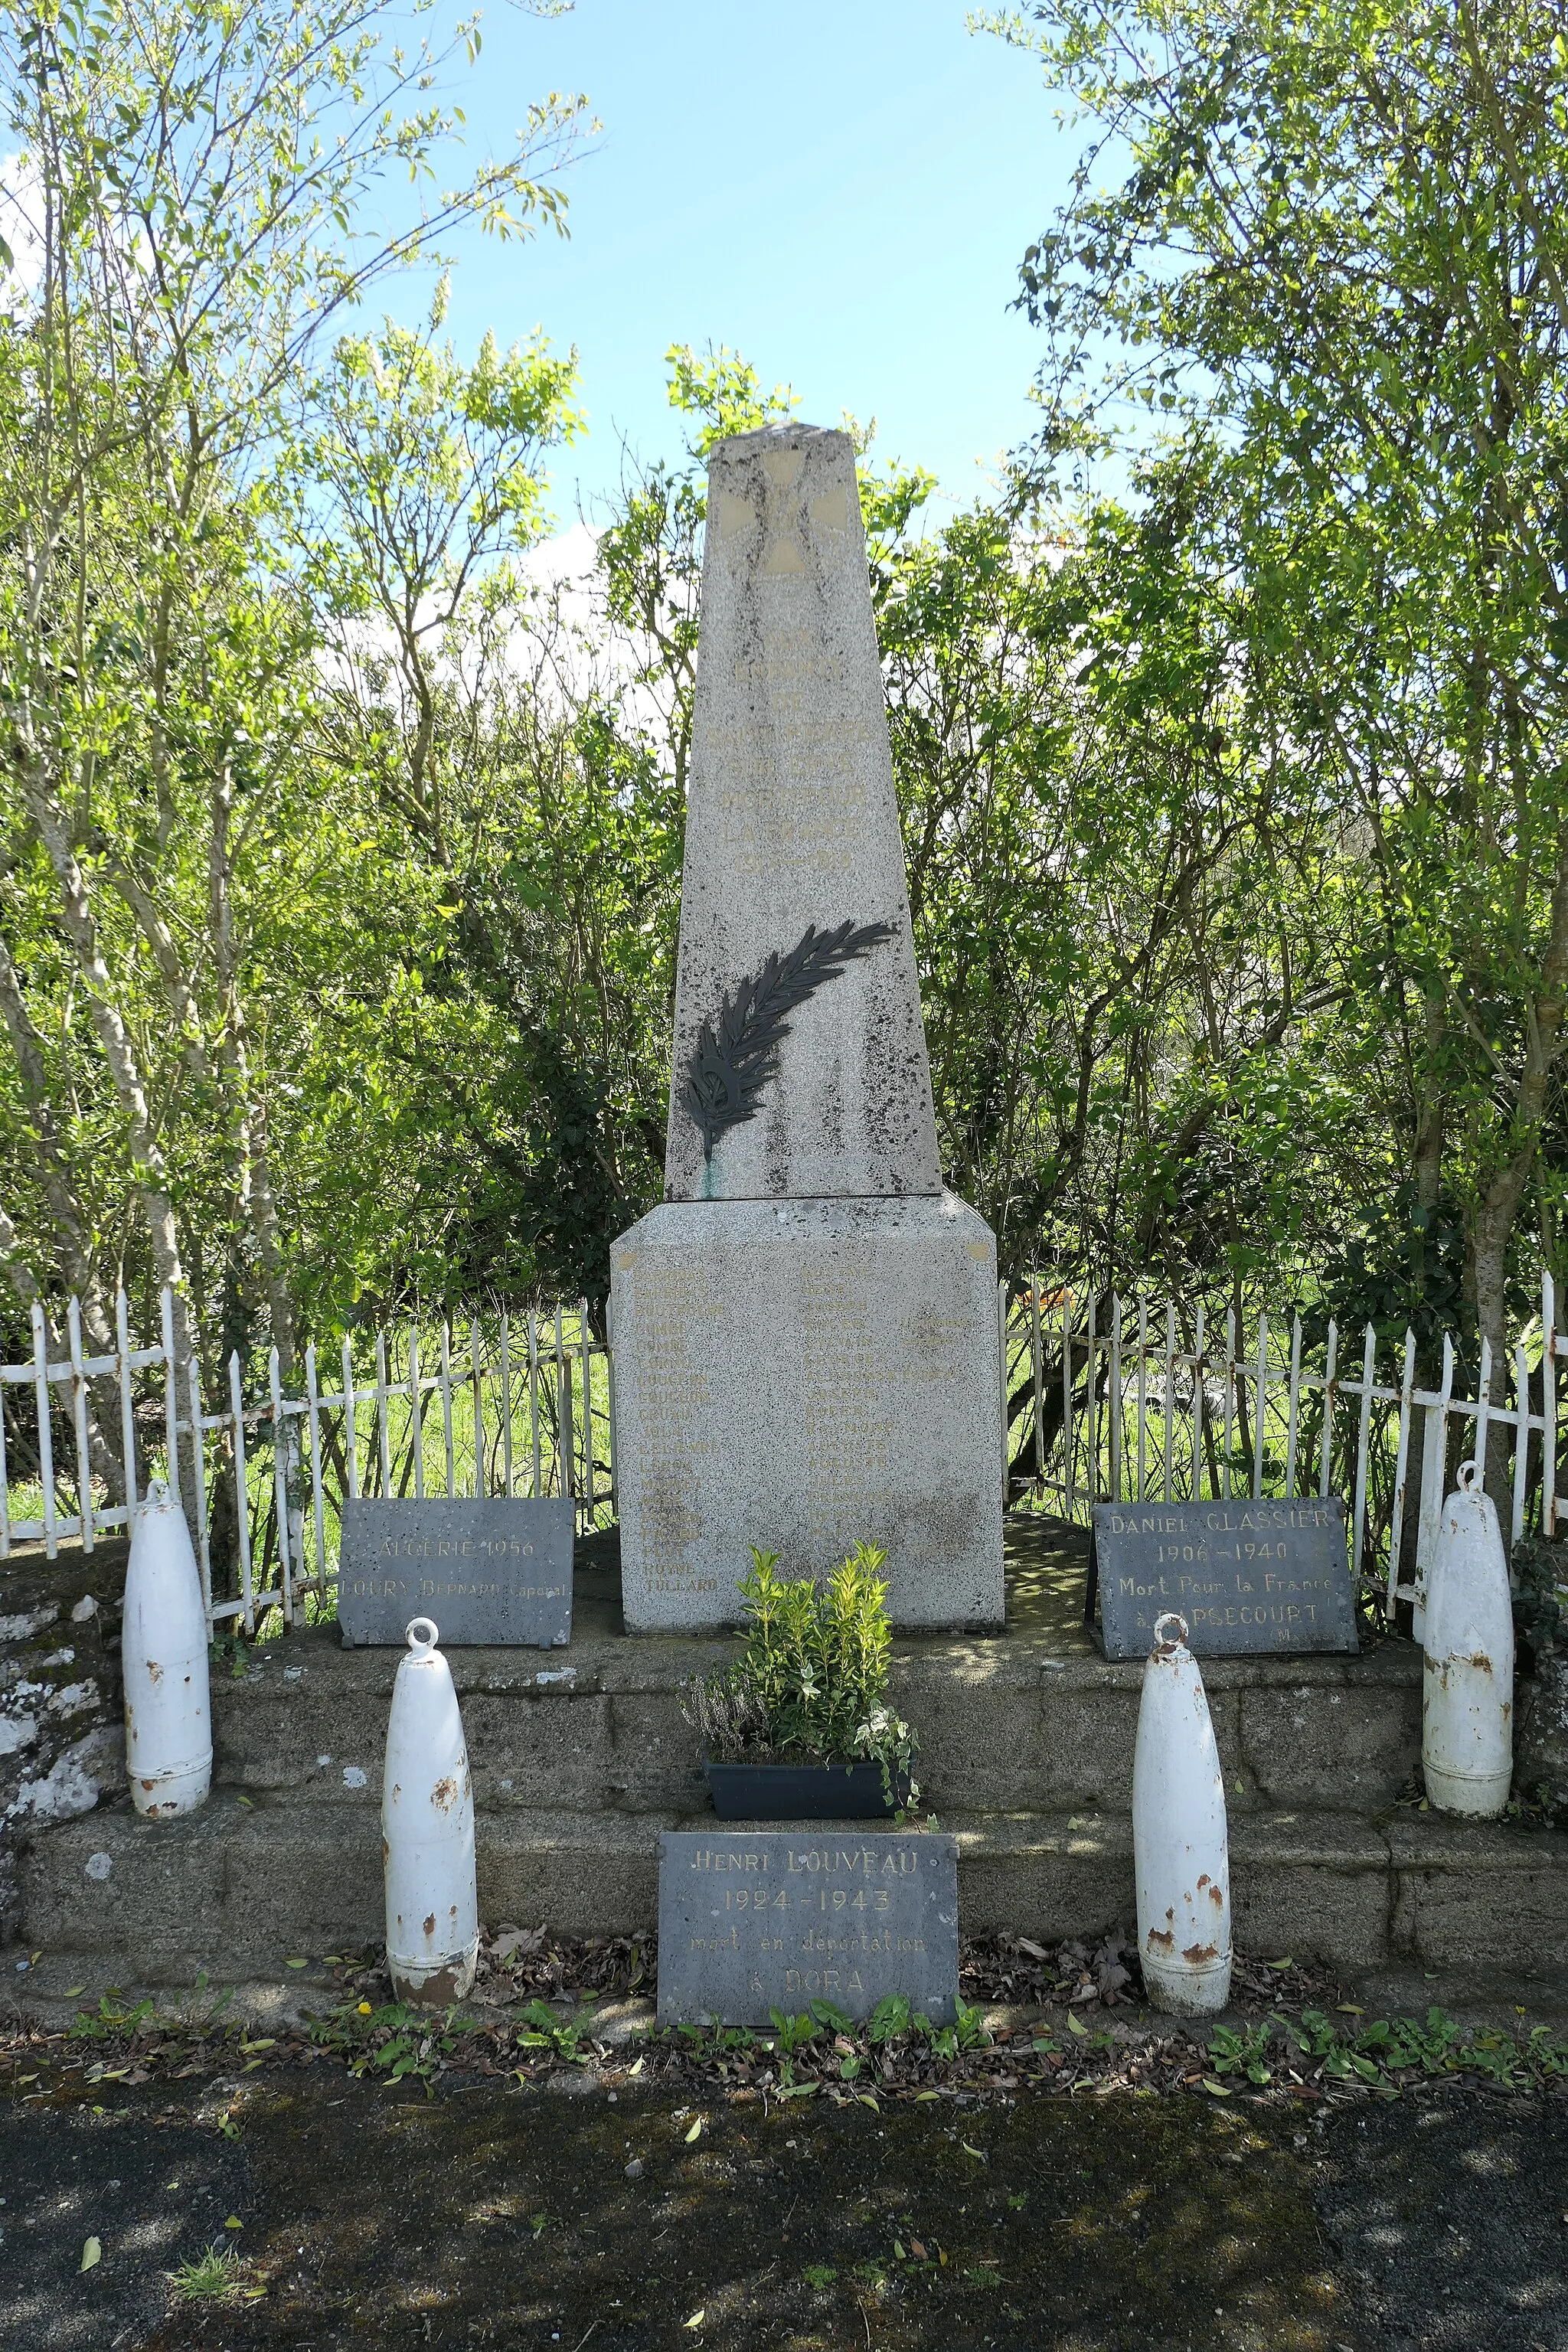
[[843, 192]]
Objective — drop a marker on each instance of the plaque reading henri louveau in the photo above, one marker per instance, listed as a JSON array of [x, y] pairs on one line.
[[764, 1919], [497, 1570]]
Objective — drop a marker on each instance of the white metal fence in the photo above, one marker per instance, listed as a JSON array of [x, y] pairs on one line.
[[1104, 1401], [512, 1407], [1129, 1401]]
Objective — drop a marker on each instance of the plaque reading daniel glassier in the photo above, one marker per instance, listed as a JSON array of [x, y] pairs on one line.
[[1269, 1578], [754, 1920], [494, 1571]]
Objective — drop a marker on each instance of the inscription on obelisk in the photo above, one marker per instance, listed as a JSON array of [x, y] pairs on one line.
[[805, 1332]]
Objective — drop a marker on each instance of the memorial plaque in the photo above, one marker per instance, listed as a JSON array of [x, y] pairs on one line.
[[1249, 1576], [754, 1920], [494, 1571]]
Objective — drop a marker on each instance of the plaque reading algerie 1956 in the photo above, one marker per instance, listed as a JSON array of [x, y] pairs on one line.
[[493, 1570], [754, 1920], [1247, 1576]]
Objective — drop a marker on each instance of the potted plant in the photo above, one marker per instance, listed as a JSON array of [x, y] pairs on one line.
[[799, 1728]]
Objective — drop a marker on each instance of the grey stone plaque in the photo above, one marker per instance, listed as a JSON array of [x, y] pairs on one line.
[[754, 1920], [1269, 1578], [485, 1572]]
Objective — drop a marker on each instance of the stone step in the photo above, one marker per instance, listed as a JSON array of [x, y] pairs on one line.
[[1016, 1719], [239, 1889]]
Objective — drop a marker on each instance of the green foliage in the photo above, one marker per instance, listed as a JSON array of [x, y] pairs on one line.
[[540, 2027], [891, 2017], [966, 2032], [339, 910], [394, 2041], [1240, 2051], [793, 2033], [1324, 290], [1389, 2050], [812, 1679], [217, 2276]]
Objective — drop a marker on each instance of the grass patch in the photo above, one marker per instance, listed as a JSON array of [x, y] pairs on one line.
[[217, 2276]]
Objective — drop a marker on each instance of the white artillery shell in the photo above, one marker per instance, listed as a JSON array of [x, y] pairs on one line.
[[427, 1831], [1179, 1849], [163, 1657], [1467, 1710]]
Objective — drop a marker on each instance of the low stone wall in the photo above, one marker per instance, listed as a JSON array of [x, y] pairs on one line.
[[62, 1734]]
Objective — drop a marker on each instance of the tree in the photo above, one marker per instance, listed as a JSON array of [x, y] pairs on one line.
[[197, 182], [1332, 267]]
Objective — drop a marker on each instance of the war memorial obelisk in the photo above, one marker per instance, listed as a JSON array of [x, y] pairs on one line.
[[804, 1330]]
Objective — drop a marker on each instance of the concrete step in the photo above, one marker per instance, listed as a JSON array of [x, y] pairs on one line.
[[1018, 1719], [581, 1756], [239, 1889]]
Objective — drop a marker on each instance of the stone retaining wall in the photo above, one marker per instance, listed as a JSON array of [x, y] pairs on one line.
[[62, 1734]]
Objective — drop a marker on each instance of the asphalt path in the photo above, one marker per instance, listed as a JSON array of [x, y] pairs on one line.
[[554, 2215]]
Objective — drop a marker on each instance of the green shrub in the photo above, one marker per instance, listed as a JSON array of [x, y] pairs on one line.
[[810, 1685]]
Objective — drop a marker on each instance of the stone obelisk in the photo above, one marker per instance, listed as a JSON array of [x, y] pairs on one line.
[[804, 1331]]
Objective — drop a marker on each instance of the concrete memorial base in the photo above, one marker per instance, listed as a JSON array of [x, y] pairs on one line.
[[580, 1762], [805, 1375]]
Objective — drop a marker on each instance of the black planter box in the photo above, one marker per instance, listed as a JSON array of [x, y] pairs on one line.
[[803, 1792]]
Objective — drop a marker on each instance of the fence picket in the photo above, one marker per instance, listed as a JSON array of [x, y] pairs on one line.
[[1549, 1403], [1229, 1391], [1396, 1531], [79, 1417], [384, 1436], [506, 1406], [171, 1395], [1114, 1481], [4, 1493], [199, 1485], [1092, 1383], [317, 1498], [46, 1430], [1369, 1359], [564, 1445], [1037, 1366], [482, 1481], [533, 1391], [1200, 1372], [351, 1421], [1325, 1464], [1068, 1467], [280, 1489], [590, 1480], [242, 1494], [417, 1408], [1522, 1438], [127, 1408]]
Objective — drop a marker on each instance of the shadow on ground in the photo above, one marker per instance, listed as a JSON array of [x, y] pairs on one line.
[[485, 2217]]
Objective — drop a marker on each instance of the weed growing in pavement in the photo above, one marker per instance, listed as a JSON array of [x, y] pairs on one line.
[[217, 2276], [111, 2020], [540, 2027], [793, 2033], [1231, 2053], [1383, 2055], [395, 2041]]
